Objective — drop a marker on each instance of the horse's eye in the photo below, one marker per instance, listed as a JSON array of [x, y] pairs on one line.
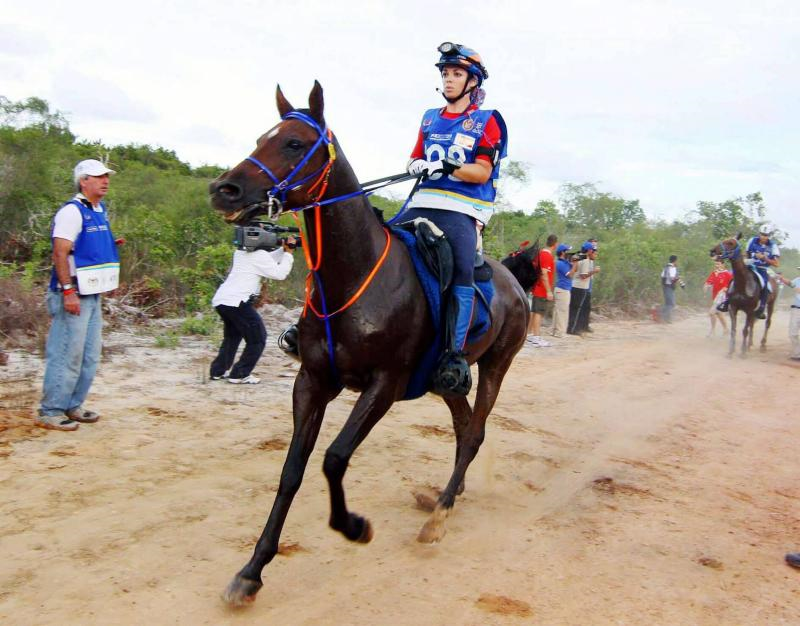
[[294, 144]]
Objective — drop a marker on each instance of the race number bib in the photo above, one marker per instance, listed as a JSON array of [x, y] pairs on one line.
[[98, 278]]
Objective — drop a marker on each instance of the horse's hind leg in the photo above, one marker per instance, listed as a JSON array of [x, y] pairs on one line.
[[370, 407], [768, 323], [461, 412], [309, 399], [492, 368]]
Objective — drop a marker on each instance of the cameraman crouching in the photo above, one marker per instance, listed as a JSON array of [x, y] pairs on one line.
[[234, 304]]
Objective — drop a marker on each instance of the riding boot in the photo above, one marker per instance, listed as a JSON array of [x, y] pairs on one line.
[[287, 341], [452, 375], [762, 305]]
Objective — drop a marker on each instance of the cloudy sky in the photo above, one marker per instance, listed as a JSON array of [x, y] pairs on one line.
[[669, 102]]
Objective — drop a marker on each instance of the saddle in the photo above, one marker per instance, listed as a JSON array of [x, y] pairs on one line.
[[437, 253], [760, 278]]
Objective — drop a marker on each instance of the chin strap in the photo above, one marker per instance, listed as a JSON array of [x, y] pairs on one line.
[[463, 93]]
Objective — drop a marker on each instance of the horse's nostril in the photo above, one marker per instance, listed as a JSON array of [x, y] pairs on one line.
[[229, 189]]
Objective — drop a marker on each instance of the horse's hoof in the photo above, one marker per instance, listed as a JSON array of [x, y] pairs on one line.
[[241, 591], [358, 529], [426, 501], [433, 531], [366, 533]]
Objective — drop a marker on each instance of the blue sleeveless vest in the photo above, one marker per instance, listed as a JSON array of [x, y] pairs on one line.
[[95, 253], [458, 139], [754, 247]]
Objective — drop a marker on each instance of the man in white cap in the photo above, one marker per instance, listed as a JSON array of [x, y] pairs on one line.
[[85, 264]]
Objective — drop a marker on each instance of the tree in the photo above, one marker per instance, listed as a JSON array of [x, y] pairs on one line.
[[594, 210]]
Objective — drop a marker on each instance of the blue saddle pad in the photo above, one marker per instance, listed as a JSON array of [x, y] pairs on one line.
[[419, 383]]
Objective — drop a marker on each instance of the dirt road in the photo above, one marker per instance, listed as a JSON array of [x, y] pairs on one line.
[[630, 477]]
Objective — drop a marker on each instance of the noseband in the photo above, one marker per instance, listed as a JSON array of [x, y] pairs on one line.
[[276, 196], [729, 253]]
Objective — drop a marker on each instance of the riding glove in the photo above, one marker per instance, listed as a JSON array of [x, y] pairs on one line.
[[421, 167]]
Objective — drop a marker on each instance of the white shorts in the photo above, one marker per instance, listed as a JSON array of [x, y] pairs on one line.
[[717, 301]]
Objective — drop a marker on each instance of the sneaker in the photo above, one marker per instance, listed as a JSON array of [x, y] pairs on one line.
[[760, 314], [221, 377], [81, 415], [537, 341], [247, 380], [55, 422]]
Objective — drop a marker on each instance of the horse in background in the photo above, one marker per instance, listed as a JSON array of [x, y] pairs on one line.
[[523, 263], [744, 295], [363, 334]]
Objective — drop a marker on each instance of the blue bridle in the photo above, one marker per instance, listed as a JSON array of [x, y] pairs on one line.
[[277, 195], [730, 253]]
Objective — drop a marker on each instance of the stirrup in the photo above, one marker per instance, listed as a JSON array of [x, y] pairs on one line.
[[287, 341], [452, 375]]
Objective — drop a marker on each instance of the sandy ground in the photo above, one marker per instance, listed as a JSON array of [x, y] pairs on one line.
[[628, 477]]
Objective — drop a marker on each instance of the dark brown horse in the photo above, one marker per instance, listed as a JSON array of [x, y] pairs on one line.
[[378, 340], [744, 295], [523, 263]]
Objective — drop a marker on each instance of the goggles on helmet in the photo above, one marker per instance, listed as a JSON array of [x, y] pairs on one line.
[[456, 54]]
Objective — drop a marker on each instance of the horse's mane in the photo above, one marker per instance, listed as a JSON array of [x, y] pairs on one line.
[[523, 263]]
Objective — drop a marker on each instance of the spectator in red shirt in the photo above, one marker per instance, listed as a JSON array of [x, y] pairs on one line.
[[542, 293], [717, 282]]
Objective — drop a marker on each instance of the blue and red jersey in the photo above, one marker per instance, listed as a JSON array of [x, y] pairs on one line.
[[459, 136]]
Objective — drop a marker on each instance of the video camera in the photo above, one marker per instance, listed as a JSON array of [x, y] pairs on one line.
[[578, 256], [259, 235]]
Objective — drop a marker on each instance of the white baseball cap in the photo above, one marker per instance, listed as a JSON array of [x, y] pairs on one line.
[[91, 167]]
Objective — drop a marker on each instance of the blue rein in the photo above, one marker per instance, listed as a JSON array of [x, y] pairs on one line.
[[731, 254]]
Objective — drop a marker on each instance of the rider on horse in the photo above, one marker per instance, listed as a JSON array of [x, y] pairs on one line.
[[763, 253], [458, 152]]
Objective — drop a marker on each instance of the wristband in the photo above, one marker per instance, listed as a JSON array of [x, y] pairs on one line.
[[68, 292], [67, 287]]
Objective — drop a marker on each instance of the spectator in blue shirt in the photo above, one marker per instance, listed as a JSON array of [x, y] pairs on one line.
[[561, 295]]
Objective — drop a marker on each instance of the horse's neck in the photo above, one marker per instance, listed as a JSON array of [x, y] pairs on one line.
[[740, 273], [352, 237]]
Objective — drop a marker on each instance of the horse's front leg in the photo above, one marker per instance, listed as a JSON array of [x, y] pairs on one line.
[[746, 330], [310, 397], [732, 341], [370, 407]]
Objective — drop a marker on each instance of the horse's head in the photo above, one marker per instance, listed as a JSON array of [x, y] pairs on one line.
[[523, 263], [288, 168], [727, 248]]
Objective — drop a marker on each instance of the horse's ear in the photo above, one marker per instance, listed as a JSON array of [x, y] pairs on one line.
[[316, 103], [283, 104], [739, 236]]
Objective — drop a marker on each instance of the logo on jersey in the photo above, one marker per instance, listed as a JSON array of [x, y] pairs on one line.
[[427, 122], [441, 137], [468, 124]]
